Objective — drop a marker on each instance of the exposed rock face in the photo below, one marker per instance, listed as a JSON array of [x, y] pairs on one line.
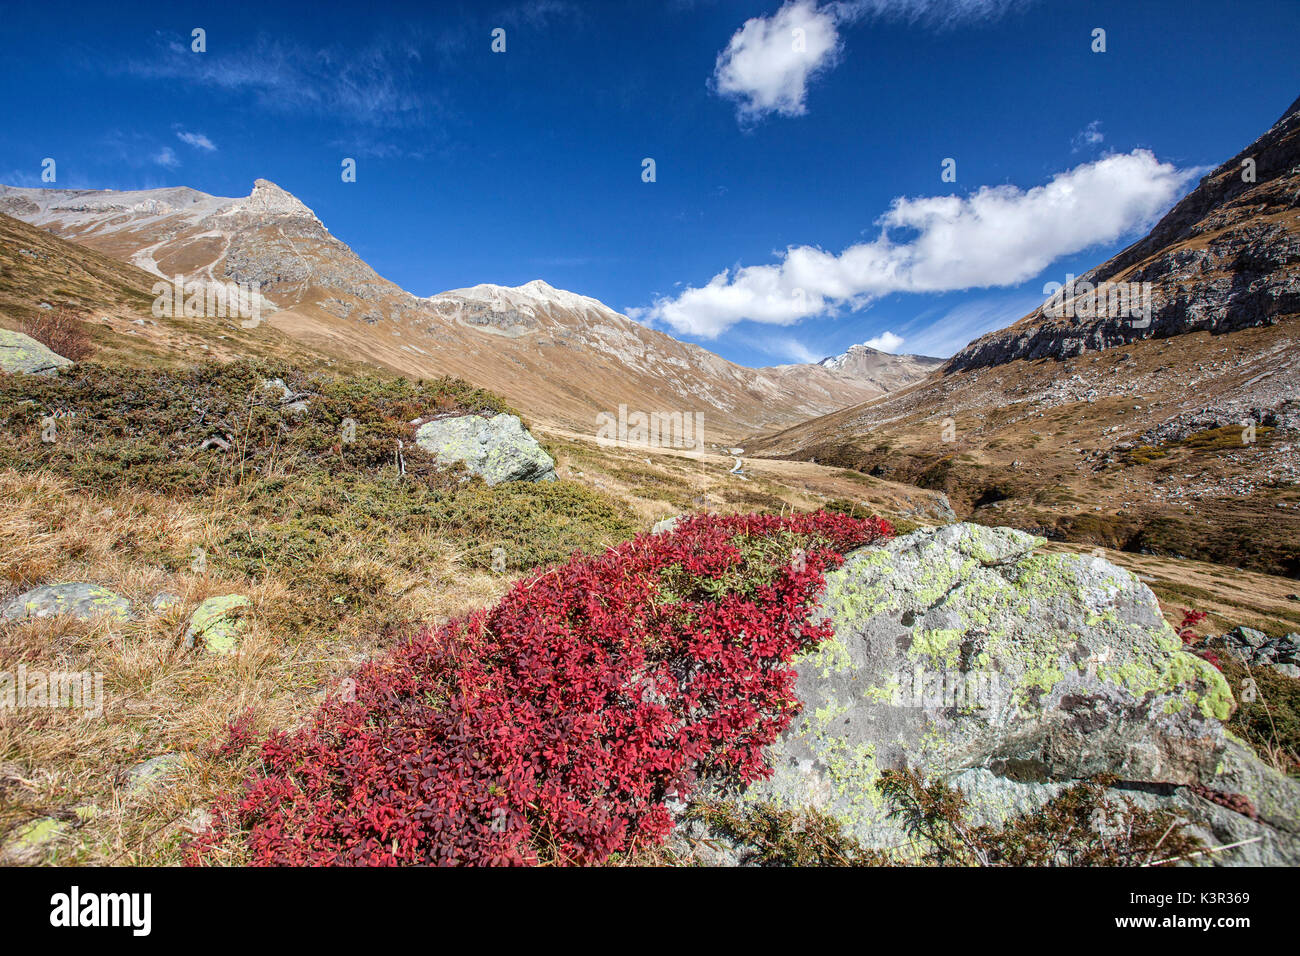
[[963, 654], [80, 599], [498, 448], [22, 353], [1224, 258]]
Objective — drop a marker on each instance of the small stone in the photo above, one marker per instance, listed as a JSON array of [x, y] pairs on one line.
[[32, 841], [666, 525], [145, 776], [217, 624], [1247, 636], [164, 600]]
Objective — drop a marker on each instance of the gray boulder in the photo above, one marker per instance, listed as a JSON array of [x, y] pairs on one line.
[[80, 599], [22, 353], [290, 401], [964, 654], [498, 448], [666, 525]]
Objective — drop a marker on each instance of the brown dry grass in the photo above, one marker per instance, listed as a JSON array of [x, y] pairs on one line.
[[61, 330], [158, 697]]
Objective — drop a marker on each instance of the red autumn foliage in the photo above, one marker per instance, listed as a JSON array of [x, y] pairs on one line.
[[556, 726], [1187, 631], [1187, 627], [238, 736]]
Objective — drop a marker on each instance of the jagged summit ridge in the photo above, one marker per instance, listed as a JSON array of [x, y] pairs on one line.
[[268, 199]]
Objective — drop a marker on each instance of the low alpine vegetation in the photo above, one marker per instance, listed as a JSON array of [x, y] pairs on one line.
[[187, 431], [558, 726], [1083, 825]]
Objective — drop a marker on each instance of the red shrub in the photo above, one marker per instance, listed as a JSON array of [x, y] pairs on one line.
[[1187, 627], [554, 727], [1187, 631]]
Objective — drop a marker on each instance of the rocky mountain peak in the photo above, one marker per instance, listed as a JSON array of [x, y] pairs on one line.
[[838, 361], [268, 199]]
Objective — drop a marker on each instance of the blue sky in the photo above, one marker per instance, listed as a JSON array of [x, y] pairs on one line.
[[779, 155]]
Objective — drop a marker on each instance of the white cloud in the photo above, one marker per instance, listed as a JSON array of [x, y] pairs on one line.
[[197, 140], [166, 157], [884, 342], [1090, 135], [997, 236], [768, 63]]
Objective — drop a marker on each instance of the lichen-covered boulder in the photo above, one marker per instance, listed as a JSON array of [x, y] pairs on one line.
[[80, 599], [33, 841], [498, 448], [218, 624], [22, 353], [966, 655]]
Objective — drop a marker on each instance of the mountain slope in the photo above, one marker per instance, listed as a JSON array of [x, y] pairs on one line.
[[1181, 438], [563, 357], [114, 299]]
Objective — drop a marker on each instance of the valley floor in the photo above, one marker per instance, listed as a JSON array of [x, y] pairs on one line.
[[347, 575]]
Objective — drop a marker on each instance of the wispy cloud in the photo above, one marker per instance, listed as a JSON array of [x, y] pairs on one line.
[[197, 140], [166, 157], [538, 14], [794, 349], [943, 333], [997, 236], [1090, 135], [768, 64], [381, 84]]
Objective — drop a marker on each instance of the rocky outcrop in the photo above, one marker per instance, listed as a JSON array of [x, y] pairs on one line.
[[1224, 258], [965, 654], [1258, 649], [22, 353], [497, 448]]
